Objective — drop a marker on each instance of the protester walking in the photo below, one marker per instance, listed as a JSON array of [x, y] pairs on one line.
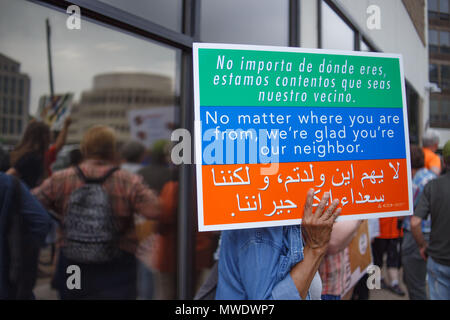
[[430, 142], [435, 202], [96, 202], [389, 242], [414, 266]]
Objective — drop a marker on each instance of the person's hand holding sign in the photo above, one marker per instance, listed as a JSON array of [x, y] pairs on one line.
[[316, 229], [317, 226]]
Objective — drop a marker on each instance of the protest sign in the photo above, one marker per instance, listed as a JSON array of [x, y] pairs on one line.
[[272, 122], [360, 256], [151, 124], [54, 111]]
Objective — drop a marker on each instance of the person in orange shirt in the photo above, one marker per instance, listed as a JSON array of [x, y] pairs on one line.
[[430, 141], [389, 242]]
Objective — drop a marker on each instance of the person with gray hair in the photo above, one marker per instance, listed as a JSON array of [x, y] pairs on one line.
[[430, 145], [132, 153]]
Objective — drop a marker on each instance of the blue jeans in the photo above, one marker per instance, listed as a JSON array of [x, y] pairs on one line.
[[438, 280], [330, 297]]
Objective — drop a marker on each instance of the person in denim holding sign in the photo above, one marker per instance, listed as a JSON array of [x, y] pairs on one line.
[[278, 263]]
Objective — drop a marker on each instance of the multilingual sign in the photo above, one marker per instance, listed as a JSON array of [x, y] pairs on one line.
[[273, 122]]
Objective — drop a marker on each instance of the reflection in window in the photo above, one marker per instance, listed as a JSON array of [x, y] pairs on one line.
[[433, 40], [438, 9], [433, 73], [445, 76], [440, 111], [433, 5], [262, 22], [164, 12], [434, 111], [364, 47], [444, 42], [92, 64], [439, 41], [443, 6], [336, 34]]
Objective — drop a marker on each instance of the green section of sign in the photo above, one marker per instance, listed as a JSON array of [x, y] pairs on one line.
[[230, 77]]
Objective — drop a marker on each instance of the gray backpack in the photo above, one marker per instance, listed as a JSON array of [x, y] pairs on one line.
[[90, 228]]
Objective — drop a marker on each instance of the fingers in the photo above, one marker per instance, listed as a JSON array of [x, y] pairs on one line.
[[336, 214], [322, 212], [330, 210], [307, 211], [322, 204]]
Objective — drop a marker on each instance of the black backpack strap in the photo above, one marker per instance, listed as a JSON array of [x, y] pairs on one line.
[[80, 173], [95, 180]]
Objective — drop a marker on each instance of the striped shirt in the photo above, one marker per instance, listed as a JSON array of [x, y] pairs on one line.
[[335, 273]]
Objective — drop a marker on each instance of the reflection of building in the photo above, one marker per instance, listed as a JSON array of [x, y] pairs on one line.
[[14, 100], [112, 95], [439, 53]]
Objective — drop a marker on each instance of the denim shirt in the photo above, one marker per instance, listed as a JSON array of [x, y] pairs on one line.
[[255, 264]]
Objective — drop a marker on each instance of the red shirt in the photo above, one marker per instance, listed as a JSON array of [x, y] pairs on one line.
[[49, 159], [388, 228]]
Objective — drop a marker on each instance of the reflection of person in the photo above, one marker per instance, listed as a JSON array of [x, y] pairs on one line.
[[127, 194], [132, 153], [274, 263], [335, 267], [164, 253], [27, 159], [158, 172], [75, 157], [414, 267], [430, 145], [435, 202], [17, 272], [52, 152]]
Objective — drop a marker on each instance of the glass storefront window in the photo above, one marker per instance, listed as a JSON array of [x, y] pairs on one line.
[[263, 22], [336, 34], [167, 13], [94, 64]]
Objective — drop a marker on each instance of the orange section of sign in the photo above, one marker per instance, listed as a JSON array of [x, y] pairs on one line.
[[241, 194]]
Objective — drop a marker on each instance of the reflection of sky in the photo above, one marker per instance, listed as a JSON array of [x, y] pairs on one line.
[[78, 55], [336, 34], [164, 12], [263, 22]]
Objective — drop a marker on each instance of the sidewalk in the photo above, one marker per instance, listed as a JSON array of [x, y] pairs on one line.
[[43, 291]]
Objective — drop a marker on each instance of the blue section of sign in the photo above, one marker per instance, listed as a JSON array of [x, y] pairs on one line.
[[238, 135]]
